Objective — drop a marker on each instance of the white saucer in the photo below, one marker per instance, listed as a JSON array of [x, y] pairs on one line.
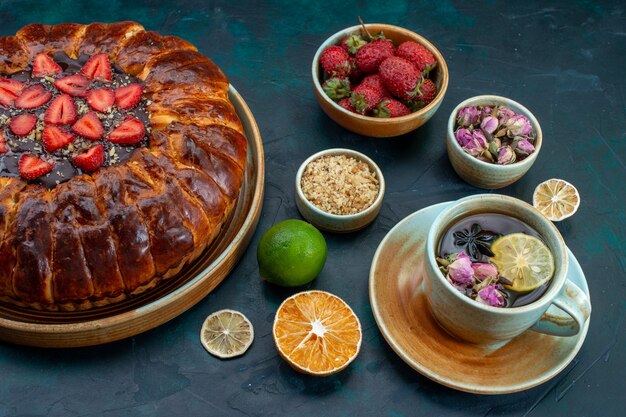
[[404, 320]]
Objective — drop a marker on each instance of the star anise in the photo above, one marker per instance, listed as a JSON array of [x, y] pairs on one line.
[[475, 241]]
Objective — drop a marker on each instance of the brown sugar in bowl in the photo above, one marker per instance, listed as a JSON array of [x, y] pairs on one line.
[[375, 126]]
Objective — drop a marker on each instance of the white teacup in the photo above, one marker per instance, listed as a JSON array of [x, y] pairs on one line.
[[479, 323]]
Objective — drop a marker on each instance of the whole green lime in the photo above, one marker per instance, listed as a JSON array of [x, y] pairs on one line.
[[291, 253]]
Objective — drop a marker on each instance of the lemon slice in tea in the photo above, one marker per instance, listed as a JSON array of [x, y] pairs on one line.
[[317, 333], [524, 260], [226, 334], [556, 199]]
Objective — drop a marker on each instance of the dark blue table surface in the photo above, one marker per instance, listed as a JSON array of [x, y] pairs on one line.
[[565, 61]]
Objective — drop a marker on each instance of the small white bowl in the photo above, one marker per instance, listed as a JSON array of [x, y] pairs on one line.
[[339, 223], [484, 174]]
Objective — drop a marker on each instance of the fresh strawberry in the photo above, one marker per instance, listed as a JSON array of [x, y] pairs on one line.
[[44, 65], [128, 96], [356, 75], [345, 103], [131, 131], [337, 88], [416, 54], [31, 166], [61, 111], [375, 81], [33, 97], [4, 148], [22, 124], [9, 91], [351, 44], [90, 160], [101, 99], [75, 85], [89, 126], [427, 91], [335, 61], [389, 107], [369, 57], [97, 67], [365, 98], [55, 138], [400, 77]]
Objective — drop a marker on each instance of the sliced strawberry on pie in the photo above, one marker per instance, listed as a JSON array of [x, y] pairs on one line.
[[89, 126], [33, 97], [101, 99], [61, 111], [97, 67], [128, 96], [9, 91], [43, 65], [75, 85], [91, 159], [129, 132], [31, 166], [56, 138], [4, 148], [22, 124]]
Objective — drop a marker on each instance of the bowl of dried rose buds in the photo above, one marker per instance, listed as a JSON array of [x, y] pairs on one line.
[[492, 141], [379, 80], [339, 190]]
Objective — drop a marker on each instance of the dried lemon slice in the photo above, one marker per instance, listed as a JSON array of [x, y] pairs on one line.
[[226, 333], [524, 260], [556, 199], [317, 333]]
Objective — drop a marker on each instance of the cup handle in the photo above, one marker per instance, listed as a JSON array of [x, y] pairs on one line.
[[574, 303]]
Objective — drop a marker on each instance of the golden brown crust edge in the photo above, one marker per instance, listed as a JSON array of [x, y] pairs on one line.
[[204, 201]]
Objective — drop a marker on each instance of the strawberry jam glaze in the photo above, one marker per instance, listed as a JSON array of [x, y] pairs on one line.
[[64, 169]]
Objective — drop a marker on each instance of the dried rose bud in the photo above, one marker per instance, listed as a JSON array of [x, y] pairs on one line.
[[489, 124], [524, 148], [490, 296], [477, 145], [468, 116], [480, 138], [485, 111], [460, 271], [484, 270], [518, 125], [506, 155], [463, 136], [504, 114], [454, 256], [474, 148], [494, 146]]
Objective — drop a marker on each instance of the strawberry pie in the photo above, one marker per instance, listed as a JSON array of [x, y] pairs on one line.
[[121, 157]]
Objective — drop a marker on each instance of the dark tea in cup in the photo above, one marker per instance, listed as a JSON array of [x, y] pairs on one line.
[[495, 259]]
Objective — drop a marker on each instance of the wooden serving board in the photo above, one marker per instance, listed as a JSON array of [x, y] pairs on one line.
[[139, 314]]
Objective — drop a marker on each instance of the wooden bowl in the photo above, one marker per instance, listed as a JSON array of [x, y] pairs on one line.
[[179, 293], [374, 126], [344, 223], [484, 174]]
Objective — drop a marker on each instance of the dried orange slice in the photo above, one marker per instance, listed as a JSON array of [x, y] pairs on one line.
[[226, 334], [317, 333], [556, 199]]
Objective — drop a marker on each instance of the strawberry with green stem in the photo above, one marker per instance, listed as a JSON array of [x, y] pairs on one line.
[[335, 61], [400, 77], [337, 88], [365, 98], [389, 107], [351, 44]]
